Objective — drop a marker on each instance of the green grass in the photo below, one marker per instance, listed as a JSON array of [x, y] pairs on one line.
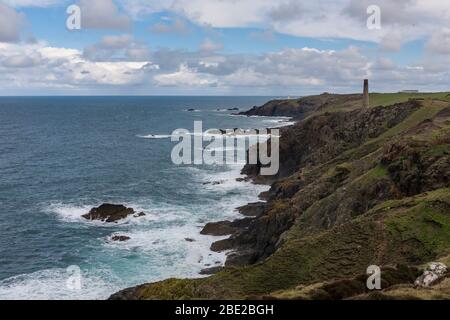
[[386, 99], [428, 111], [428, 223]]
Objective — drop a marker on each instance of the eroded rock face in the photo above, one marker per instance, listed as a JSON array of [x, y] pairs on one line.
[[435, 272], [109, 213]]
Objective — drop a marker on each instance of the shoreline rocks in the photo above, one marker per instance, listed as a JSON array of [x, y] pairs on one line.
[[120, 238], [224, 228], [109, 213], [210, 271]]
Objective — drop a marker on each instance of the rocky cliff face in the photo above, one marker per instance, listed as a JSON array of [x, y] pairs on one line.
[[357, 188], [300, 108]]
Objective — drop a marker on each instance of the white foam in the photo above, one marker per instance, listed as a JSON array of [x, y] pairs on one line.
[[155, 136], [73, 213], [171, 241], [51, 284]]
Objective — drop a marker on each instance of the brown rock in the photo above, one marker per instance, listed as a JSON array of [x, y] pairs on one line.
[[221, 245], [109, 213], [120, 238], [253, 209], [221, 228]]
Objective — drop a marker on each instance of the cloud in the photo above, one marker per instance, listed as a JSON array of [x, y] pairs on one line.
[[291, 10], [103, 14], [11, 23], [222, 14], [402, 20], [33, 3], [440, 42], [116, 42], [289, 71], [33, 66], [22, 60], [176, 26], [121, 47], [185, 77]]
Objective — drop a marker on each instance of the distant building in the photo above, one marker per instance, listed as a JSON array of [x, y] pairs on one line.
[[409, 91]]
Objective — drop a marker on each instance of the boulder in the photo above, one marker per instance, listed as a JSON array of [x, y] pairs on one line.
[[109, 213], [253, 209], [435, 272], [222, 245], [221, 228], [120, 238], [225, 228], [140, 214], [213, 270]]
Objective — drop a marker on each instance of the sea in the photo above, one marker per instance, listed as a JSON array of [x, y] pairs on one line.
[[62, 156]]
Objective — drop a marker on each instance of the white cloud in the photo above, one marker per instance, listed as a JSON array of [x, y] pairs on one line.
[[38, 65], [116, 41], [10, 24], [22, 60], [177, 26], [404, 20], [33, 3], [103, 14], [122, 47], [440, 42], [185, 77]]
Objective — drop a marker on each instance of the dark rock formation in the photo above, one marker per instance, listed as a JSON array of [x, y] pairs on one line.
[[223, 228], [253, 209], [140, 214], [299, 108], [109, 213], [210, 271], [120, 238]]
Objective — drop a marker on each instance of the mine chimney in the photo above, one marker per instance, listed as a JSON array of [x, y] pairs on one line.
[[366, 94]]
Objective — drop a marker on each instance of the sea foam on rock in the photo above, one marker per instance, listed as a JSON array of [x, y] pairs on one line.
[[109, 213]]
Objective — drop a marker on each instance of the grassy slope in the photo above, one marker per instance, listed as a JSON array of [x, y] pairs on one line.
[[411, 230], [384, 99]]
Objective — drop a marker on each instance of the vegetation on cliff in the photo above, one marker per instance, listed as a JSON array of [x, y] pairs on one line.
[[357, 187]]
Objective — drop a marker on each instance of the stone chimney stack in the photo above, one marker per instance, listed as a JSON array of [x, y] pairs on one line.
[[366, 102]]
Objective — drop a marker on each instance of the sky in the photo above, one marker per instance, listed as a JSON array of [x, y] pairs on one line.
[[223, 47]]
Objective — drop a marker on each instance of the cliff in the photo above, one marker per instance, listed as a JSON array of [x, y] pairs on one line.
[[357, 187]]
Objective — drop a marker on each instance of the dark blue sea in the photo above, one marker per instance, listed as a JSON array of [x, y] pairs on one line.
[[61, 156]]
